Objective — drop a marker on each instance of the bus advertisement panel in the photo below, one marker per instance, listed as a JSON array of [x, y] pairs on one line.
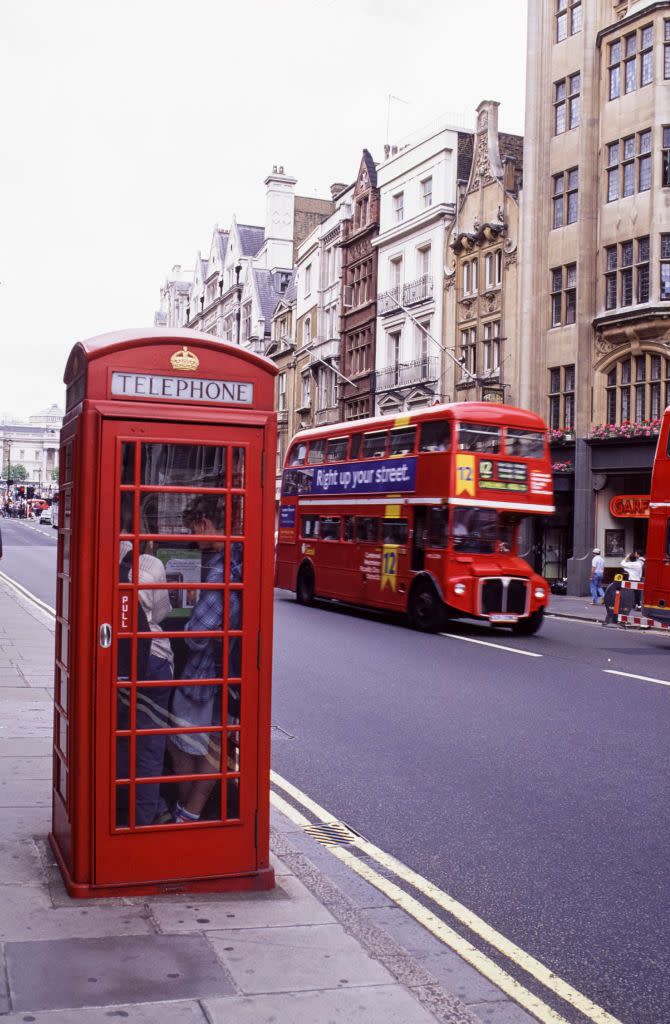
[[418, 513]]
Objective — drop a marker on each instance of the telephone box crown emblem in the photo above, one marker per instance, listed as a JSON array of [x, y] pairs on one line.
[[184, 360]]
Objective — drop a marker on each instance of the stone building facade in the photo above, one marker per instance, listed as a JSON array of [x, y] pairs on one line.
[[418, 193], [595, 262], [481, 321], [359, 295]]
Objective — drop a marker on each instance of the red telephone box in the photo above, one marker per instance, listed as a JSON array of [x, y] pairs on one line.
[[164, 616]]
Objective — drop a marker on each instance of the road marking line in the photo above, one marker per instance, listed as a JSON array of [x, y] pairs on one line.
[[26, 593], [488, 643], [513, 952], [631, 675], [433, 924]]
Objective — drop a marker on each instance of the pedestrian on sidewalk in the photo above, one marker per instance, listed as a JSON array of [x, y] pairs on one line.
[[596, 581], [609, 600], [633, 566]]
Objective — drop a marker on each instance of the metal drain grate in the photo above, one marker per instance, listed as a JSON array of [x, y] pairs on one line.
[[332, 833]]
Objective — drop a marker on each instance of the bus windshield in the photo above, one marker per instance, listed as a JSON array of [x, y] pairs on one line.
[[483, 531]]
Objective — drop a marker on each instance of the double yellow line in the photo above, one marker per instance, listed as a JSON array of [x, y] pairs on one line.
[[482, 963]]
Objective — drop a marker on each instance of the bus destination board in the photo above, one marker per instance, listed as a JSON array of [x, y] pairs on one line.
[[394, 476]]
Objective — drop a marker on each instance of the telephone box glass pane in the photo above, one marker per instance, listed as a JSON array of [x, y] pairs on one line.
[[237, 514], [238, 473], [233, 752], [153, 703], [164, 512], [234, 657], [233, 798], [122, 708], [127, 512], [195, 706], [234, 704], [179, 465], [122, 757], [128, 463]]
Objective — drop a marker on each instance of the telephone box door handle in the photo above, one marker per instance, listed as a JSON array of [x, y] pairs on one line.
[[105, 635]]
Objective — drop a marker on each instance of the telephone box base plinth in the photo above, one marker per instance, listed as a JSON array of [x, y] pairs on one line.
[[257, 881]]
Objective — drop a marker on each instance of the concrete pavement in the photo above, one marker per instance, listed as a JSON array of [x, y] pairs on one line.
[[306, 953]]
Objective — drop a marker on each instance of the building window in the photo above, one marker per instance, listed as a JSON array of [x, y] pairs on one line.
[[281, 392], [665, 156], [565, 197], [622, 179], [423, 260], [564, 295], [398, 206], [625, 56], [562, 397], [566, 103], [427, 191], [493, 268], [568, 18], [491, 347], [666, 50], [665, 268], [306, 395], [627, 273], [308, 278], [468, 353], [470, 277], [637, 389], [246, 321], [642, 270], [307, 331]]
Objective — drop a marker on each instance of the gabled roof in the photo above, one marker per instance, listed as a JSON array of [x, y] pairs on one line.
[[251, 239], [267, 294], [221, 241], [370, 167]]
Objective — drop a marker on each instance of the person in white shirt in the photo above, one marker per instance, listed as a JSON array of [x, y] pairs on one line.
[[596, 581], [633, 566]]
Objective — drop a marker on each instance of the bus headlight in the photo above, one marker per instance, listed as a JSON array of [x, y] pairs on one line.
[[539, 593], [459, 588]]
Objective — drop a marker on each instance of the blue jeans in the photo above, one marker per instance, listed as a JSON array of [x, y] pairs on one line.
[[596, 584]]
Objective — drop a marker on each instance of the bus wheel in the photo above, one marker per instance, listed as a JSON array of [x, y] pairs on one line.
[[530, 625], [304, 591], [425, 609]]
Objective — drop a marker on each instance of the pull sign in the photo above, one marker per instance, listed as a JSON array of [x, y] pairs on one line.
[[105, 635], [124, 611]]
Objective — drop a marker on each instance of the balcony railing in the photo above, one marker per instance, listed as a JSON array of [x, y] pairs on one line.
[[388, 301], [419, 371], [419, 290], [328, 414], [406, 294], [324, 350]]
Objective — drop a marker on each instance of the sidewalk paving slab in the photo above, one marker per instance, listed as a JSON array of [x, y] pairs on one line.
[[305, 953]]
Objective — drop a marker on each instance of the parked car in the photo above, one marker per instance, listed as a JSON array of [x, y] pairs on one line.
[[45, 516]]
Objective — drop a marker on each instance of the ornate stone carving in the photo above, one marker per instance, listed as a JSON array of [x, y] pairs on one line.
[[603, 345], [510, 258], [483, 174]]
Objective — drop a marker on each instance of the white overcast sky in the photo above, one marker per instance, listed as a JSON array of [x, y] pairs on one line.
[[129, 129]]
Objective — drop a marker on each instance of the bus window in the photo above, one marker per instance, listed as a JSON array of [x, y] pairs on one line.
[[336, 449], [348, 528], [374, 445], [528, 444], [309, 527], [435, 436], [478, 437], [438, 527], [297, 454], [316, 450], [402, 440], [395, 531], [367, 529], [355, 446], [482, 530], [330, 528]]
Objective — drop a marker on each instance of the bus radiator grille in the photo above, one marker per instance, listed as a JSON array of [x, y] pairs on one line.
[[504, 595]]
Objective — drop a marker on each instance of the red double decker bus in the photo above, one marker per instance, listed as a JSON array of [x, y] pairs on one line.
[[418, 513], [656, 588]]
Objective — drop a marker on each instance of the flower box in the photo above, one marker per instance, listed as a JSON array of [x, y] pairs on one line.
[[644, 430]]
